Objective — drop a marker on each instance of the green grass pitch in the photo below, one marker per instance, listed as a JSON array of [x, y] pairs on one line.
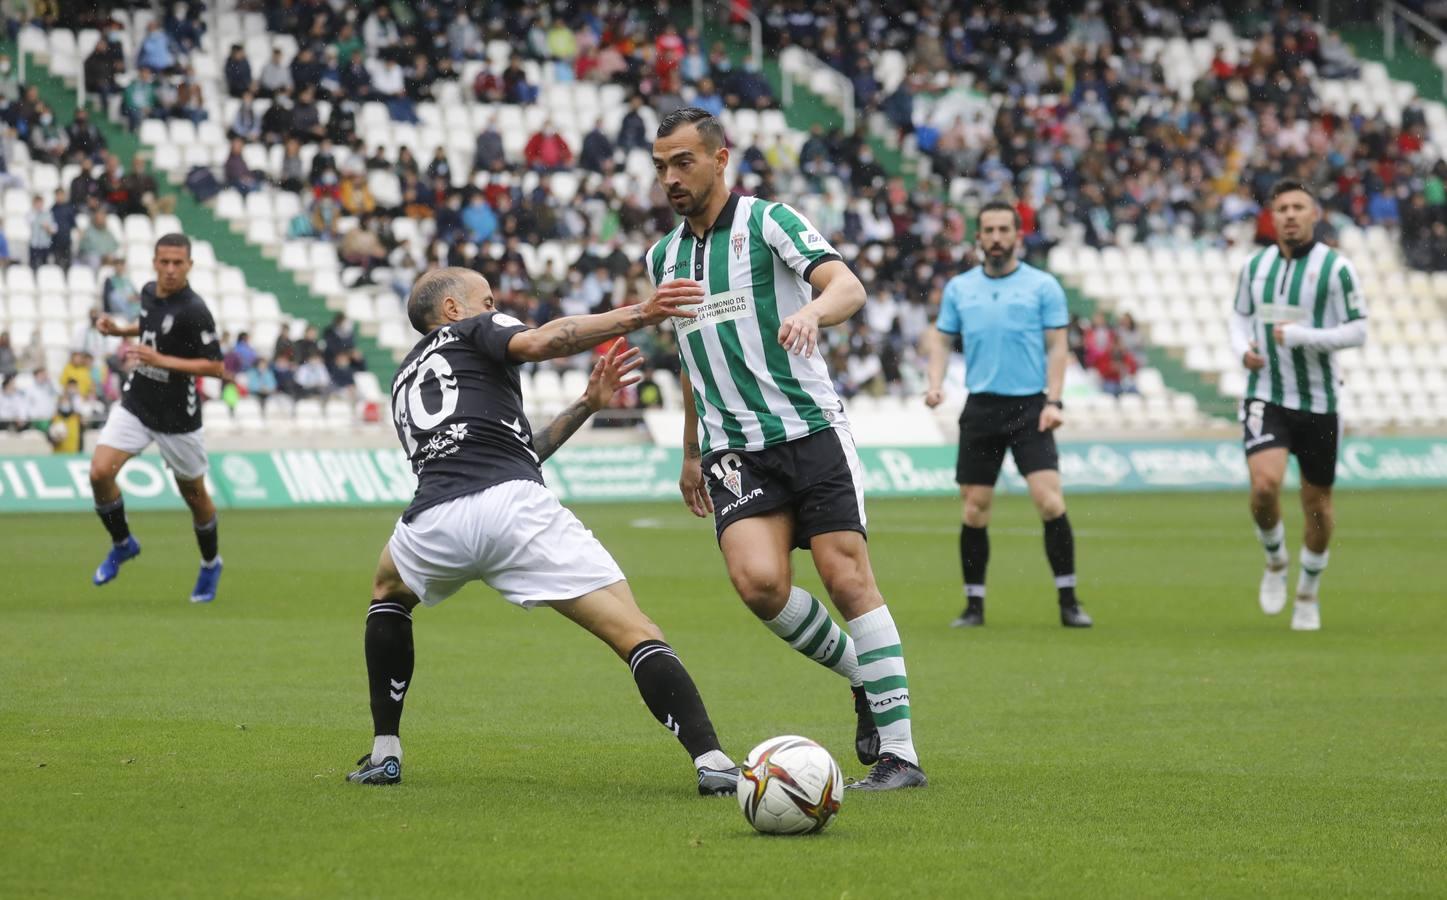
[[1187, 745]]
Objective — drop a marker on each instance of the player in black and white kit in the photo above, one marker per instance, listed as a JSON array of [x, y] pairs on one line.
[[159, 403], [482, 512]]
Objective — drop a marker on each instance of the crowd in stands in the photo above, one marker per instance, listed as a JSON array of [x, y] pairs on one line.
[[1089, 139], [322, 366]]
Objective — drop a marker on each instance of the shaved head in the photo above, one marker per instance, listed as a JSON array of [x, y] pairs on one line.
[[430, 292]]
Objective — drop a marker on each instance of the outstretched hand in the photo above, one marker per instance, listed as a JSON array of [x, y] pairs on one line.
[[612, 371], [673, 299]]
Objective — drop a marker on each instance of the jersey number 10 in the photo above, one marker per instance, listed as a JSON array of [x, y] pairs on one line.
[[410, 407]]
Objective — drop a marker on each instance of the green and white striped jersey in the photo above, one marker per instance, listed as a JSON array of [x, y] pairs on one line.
[[754, 265], [1319, 289]]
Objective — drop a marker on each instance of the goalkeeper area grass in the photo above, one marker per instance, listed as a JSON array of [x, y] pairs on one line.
[[1185, 746]]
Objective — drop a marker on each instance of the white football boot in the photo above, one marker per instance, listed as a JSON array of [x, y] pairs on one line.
[[1306, 615], [1273, 589]]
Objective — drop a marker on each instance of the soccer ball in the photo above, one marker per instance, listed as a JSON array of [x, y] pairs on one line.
[[790, 785]]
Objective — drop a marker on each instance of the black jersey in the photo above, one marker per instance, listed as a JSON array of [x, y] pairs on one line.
[[457, 403], [178, 325]]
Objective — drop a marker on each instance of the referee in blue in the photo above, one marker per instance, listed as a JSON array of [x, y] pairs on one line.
[[1012, 317]]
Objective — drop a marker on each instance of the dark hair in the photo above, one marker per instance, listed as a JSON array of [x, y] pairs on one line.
[[428, 293], [708, 127], [174, 240], [1287, 185], [998, 206]]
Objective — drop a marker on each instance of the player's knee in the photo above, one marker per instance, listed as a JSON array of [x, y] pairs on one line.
[[101, 477], [763, 590], [1264, 490], [1050, 506], [977, 512]]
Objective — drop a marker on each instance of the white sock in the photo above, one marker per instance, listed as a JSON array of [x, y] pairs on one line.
[[1312, 565], [385, 745], [1273, 541], [806, 625], [212, 564], [713, 759], [881, 666]]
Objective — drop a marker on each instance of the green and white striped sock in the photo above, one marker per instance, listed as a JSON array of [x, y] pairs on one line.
[[1312, 565], [881, 665], [1273, 541], [806, 625]]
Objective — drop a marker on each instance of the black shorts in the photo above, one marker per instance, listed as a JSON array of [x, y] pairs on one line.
[[992, 423], [816, 477], [1313, 438]]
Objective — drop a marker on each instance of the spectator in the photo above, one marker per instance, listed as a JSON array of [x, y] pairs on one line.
[[237, 72], [85, 138], [246, 355], [362, 247], [139, 99], [7, 356], [380, 32], [306, 117], [293, 173], [237, 173], [597, 149], [479, 219], [633, 132], [261, 381], [389, 86], [76, 372], [356, 194], [515, 86], [312, 378], [98, 246], [87, 339], [120, 297], [308, 344], [306, 71], [355, 79], [275, 76], [439, 167], [546, 150], [488, 155], [14, 404], [9, 81], [47, 140], [246, 124], [40, 398], [343, 379], [158, 52], [463, 38], [142, 192], [278, 123], [338, 336], [42, 232]]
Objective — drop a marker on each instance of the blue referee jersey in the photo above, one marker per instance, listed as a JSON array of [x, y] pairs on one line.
[[1003, 321]]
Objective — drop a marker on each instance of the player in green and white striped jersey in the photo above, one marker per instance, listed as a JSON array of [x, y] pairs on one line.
[[1297, 303], [777, 466]]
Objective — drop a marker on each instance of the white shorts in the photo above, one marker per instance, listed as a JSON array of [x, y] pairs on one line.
[[514, 536], [185, 453]]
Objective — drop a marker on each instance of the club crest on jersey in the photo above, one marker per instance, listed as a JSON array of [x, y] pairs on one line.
[[738, 245], [726, 471]]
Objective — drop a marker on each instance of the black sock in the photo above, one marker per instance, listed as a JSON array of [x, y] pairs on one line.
[[1060, 550], [670, 694], [974, 559], [389, 662], [206, 540], [113, 517]]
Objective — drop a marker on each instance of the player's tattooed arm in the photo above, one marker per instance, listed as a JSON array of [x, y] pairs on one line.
[[574, 334], [548, 440], [614, 370], [691, 450]]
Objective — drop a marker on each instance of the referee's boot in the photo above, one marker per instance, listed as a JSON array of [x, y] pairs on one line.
[[973, 616], [866, 733], [1073, 615], [388, 771], [120, 553]]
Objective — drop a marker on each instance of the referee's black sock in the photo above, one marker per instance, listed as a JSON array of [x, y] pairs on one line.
[[974, 560], [207, 539], [669, 692], [113, 517], [389, 663], [1060, 550]]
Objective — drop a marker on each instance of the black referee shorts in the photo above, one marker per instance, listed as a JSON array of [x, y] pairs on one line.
[[994, 423]]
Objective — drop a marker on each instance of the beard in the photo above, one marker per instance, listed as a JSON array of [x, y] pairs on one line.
[[689, 204]]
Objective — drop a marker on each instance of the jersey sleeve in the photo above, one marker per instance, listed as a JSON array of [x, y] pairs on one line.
[[1243, 303], [794, 240], [199, 340], [489, 334], [1054, 311], [654, 262], [948, 320], [1347, 303]]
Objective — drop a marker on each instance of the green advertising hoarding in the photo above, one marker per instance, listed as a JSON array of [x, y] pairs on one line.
[[282, 479]]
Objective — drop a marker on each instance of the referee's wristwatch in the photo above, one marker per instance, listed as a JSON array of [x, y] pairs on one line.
[[1056, 403]]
